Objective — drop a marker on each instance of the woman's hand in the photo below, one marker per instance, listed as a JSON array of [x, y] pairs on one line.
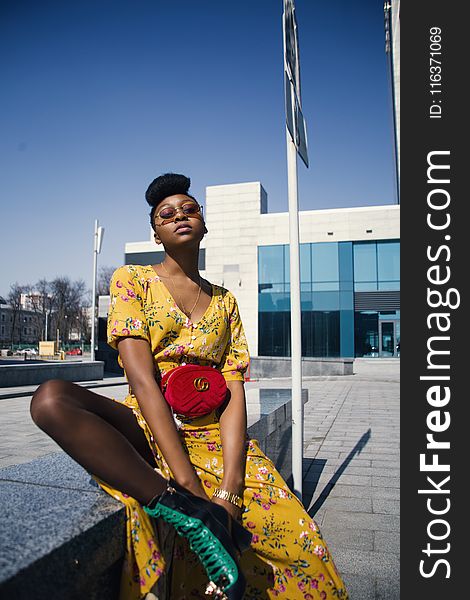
[[196, 488], [233, 511]]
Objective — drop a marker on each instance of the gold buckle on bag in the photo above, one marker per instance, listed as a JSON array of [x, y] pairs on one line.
[[201, 384]]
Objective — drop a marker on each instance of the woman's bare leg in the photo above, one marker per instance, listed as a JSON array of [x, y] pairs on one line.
[[100, 434]]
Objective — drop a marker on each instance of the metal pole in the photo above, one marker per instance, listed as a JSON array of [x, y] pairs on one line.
[[295, 329], [93, 292]]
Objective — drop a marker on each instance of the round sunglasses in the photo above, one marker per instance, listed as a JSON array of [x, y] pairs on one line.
[[189, 209]]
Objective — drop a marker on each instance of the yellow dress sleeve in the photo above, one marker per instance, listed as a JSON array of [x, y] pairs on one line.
[[126, 316], [236, 357]]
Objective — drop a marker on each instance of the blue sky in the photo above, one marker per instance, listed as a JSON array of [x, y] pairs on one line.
[[99, 97]]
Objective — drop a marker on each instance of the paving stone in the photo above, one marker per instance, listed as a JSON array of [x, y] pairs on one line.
[[386, 507], [389, 493], [377, 455], [360, 587], [314, 474], [350, 504], [327, 454], [387, 589], [393, 482], [385, 541], [354, 479], [319, 516], [384, 472], [382, 565], [385, 464], [351, 469], [353, 462], [357, 520], [344, 537], [351, 491]]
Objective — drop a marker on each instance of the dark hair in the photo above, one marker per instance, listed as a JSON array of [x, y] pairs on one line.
[[166, 185]]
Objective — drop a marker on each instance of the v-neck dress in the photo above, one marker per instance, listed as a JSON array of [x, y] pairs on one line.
[[141, 306], [288, 558]]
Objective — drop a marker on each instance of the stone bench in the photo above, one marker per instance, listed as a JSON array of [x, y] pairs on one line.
[[62, 537], [277, 366], [12, 375]]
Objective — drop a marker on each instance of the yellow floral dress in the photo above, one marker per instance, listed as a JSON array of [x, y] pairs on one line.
[[288, 557]]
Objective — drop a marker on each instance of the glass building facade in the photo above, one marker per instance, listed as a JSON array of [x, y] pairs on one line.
[[349, 299]]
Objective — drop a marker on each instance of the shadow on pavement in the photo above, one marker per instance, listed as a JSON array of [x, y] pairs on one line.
[[317, 465]]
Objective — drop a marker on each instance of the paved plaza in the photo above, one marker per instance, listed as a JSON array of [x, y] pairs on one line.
[[351, 464]]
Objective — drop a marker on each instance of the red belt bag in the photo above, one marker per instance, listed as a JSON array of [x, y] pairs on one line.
[[194, 390]]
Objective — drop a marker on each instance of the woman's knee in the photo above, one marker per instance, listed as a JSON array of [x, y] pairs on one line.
[[48, 399]]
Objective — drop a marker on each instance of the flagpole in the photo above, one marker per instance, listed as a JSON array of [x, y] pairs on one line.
[[97, 241], [296, 139], [93, 292]]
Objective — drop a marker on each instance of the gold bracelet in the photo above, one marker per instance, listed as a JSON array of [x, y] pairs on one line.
[[228, 496]]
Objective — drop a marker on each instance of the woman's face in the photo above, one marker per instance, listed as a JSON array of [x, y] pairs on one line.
[[178, 221]]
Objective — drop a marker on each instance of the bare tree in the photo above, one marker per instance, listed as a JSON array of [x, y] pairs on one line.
[[84, 324], [104, 279], [40, 298], [14, 300], [68, 303]]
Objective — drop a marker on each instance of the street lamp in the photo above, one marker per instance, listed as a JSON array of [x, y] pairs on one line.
[[44, 298], [97, 242], [36, 302]]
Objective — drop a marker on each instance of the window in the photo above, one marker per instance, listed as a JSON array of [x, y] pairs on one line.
[[274, 334], [305, 263], [321, 333], [305, 267], [345, 263], [322, 301], [366, 328], [365, 266], [270, 267], [325, 263], [388, 265]]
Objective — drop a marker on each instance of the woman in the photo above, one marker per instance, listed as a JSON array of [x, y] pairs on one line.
[[162, 317]]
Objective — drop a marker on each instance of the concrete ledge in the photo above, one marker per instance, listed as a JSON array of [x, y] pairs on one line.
[[261, 366], [32, 374], [63, 537], [110, 358], [277, 366], [60, 534]]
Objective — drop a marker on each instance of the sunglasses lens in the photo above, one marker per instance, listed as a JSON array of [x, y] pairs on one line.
[[167, 213], [190, 209]]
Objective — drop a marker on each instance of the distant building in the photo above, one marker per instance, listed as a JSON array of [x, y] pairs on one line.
[[350, 279], [18, 326], [36, 301]]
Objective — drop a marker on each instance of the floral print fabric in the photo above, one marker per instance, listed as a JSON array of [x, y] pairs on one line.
[[288, 557], [141, 306]]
